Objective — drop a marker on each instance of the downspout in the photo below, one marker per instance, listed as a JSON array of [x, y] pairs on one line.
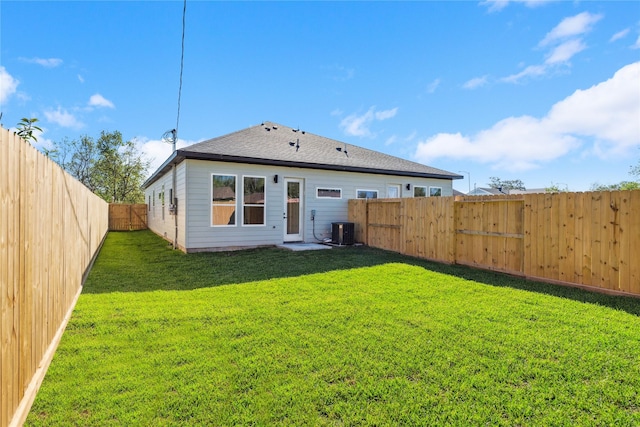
[[175, 204]]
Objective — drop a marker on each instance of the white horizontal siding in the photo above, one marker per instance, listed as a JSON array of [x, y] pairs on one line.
[[164, 225], [200, 234]]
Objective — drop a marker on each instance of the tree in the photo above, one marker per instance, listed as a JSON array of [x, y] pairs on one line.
[[503, 185], [555, 188], [635, 171], [623, 185], [110, 167], [26, 127]]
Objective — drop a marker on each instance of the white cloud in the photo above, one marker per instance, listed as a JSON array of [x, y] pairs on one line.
[[63, 118], [45, 62], [571, 27], [98, 100], [497, 5], [619, 35], [391, 140], [475, 82], [607, 113], [565, 51], [358, 125], [563, 42], [433, 86], [340, 73], [80, 78], [157, 151], [8, 85], [530, 71], [636, 45], [386, 114]]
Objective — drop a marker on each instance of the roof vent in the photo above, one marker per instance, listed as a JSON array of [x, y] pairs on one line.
[[268, 129], [275, 127]]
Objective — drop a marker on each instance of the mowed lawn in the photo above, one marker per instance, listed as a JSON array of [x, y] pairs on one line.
[[348, 336]]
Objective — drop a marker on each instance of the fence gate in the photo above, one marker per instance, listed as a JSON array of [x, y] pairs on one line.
[[127, 217], [385, 224], [490, 234]]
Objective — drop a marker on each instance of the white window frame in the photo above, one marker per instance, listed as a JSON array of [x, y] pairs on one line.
[[264, 205], [426, 190], [235, 190], [328, 197], [435, 188], [366, 198]]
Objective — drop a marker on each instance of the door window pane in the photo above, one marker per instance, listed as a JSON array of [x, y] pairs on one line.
[[293, 207]]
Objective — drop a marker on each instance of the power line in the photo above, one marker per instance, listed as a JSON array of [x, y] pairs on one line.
[[184, 16]]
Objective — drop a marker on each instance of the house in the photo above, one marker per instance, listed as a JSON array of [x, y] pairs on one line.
[[270, 184], [487, 191]]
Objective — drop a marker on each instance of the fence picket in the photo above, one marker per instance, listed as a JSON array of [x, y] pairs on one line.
[[585, 239], [43, 217]]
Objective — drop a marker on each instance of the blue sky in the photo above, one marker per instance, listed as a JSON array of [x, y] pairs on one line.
[[543, 91]]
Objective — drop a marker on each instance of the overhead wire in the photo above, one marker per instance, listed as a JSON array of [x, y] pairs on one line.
[[174, 201], [184, 19]]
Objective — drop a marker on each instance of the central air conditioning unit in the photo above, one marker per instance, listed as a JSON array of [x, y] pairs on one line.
[[342, 233]]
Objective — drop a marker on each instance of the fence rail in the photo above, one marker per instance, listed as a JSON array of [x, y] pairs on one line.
[[51, 227], [127, 217], [587, 239]]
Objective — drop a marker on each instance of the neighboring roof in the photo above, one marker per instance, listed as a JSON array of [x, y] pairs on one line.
[[273, 144], [529, 191], [485, 191]]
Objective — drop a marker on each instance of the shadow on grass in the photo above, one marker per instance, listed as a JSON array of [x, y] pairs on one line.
[[142, 262]]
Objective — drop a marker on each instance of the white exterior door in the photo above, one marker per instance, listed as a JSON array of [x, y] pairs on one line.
[[293, 210], [393, 191]]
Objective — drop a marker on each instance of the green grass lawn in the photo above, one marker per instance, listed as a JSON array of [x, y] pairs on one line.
[[348, 336]]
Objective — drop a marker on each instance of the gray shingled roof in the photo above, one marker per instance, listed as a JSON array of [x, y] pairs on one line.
[[273, 144]]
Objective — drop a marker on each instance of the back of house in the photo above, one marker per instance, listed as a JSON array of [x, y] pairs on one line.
[[270, 184]]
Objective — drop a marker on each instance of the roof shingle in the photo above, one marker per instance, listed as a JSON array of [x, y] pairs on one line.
[[274, 144]]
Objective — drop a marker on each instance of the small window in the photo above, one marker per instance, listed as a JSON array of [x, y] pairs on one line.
[[435, 191], [223, 200], [328, 193], [419, 191], [253, 200], [367, 194]]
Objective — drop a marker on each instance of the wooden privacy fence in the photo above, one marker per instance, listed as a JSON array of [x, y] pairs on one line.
[[127, 217], [588, 239], [51, 227]]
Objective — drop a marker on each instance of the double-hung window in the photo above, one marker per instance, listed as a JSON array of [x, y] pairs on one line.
[[223, 200], [253, 200]]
